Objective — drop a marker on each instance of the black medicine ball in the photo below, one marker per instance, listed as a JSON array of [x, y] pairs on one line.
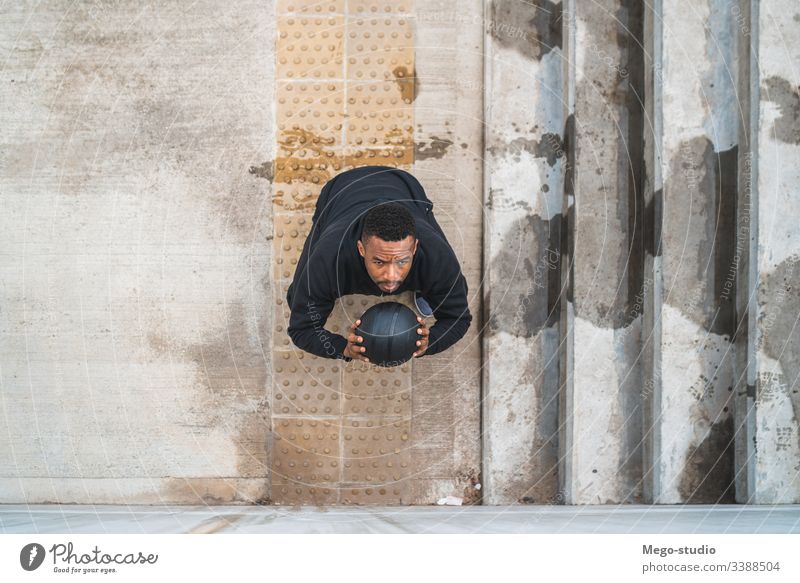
[[390, 334]]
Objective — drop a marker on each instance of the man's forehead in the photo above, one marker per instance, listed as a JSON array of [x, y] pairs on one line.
[[377, 246]]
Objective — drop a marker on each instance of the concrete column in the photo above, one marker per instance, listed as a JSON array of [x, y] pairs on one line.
[[525, 161], [601, 319], [768, 409], [692, 160], [448, 162]]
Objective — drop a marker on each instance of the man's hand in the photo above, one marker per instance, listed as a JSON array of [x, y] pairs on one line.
[[353, 349], [422, 343]]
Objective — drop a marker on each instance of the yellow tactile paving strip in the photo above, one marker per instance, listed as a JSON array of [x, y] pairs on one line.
[[345, 75]]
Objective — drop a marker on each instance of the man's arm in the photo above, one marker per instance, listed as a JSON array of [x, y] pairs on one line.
[[448, 298], [311, 300]]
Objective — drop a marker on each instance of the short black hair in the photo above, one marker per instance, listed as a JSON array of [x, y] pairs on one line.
[[389, 221]]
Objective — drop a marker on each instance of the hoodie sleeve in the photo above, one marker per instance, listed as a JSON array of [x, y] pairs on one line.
[[311, 298], [447, 295]]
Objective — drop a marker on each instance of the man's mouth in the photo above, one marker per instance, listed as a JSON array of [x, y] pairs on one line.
[[389, 287]]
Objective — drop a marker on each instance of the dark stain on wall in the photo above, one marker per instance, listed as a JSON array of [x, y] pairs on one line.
[[708, 470], [779, 305], [652, 223], [568, 219], [787, 97], [264, 170], [555, 289], [525, 266], [231, 384], [550, 146], [210, 491], [407, 82], [700, 211], [243, 208], [725, 183], [530, 27], [632, 39], [434, 148], [682, 219]]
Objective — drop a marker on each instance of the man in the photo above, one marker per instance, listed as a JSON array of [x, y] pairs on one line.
[[373, 232]]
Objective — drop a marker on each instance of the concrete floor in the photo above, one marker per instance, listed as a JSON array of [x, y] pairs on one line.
[[45, 519]]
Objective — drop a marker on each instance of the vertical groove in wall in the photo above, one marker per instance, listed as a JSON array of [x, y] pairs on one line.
[[566, 432], [633, 431], [746, 274], [652, 298]]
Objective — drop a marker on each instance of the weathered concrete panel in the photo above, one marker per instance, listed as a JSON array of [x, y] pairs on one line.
[[692, 177], [775, 427], [525, 161], [601, 323], [448, 161], [344, 74], [358, 108], [135, 258]]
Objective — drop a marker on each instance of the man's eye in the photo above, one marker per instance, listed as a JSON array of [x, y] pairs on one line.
[[379, 262]]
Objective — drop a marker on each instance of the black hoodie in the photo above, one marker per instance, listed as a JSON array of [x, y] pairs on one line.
[[330, 265]]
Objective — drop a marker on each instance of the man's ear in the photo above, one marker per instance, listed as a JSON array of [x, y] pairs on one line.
[[416, 243], [360, 246]]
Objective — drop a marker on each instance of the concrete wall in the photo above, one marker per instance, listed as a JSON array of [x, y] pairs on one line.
[[134, 328], [721, 410], [618, 179], [362, 83]]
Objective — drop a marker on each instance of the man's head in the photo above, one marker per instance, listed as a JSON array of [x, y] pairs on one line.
[[388, 243]]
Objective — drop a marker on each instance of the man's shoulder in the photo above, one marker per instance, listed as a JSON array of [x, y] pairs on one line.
[[432, 237], [365, 179], [332, 249]]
